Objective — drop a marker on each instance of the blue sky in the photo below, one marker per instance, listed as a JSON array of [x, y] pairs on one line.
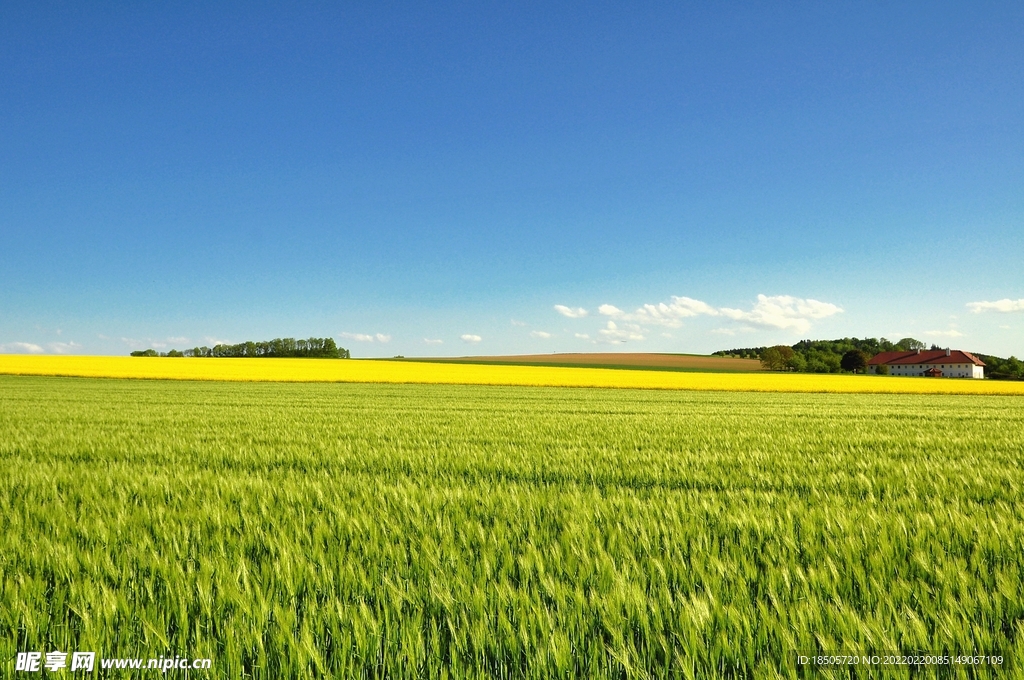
[[486, 178]]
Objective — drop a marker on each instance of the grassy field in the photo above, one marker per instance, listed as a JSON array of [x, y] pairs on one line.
[[360, 530], [395, 372]]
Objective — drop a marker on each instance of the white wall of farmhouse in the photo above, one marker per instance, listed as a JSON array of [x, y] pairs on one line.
[[952, 370]]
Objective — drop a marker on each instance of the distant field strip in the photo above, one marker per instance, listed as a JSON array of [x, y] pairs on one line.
[[436, 531], [645, 360], [370, 371]]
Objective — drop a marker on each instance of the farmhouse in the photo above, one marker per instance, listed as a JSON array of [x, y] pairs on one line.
[[933, 363]]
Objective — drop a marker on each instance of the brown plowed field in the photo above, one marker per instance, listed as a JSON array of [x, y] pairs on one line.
[[684, 362]]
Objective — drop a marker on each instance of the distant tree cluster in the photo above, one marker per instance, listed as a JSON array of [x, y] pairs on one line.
[[313, 348], [822, 356], [852, 355], [1002, 369], [741, 353], [777, 358], [855, 361]]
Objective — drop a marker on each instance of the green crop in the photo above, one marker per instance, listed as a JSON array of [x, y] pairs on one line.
[[346, 530]]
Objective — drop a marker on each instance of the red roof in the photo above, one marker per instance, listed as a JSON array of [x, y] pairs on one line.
[[925, 356]]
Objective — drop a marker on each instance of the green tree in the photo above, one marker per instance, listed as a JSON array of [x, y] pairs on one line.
[[771, 359], [279, 347], [910, 344], [854, 360], [797, 363], [816, 365], [775, 358], [834, 362]]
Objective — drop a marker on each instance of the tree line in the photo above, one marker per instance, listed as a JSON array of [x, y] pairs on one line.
[[312, 348], [1002, 369], [852, 355]]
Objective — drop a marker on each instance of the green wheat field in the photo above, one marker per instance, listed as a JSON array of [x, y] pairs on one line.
[[392, 531]]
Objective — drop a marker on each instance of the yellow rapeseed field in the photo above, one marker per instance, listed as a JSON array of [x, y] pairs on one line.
[[371, 371]]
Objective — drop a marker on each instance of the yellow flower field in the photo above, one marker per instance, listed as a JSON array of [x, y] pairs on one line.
[[371, 371]]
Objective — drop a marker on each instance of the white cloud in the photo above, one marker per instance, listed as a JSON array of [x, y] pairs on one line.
[[663, 314], [612, 333], [783, 311], [157, 344], [21, 348], [777, 311], [1004, 305], [577, 313], [213, 342], [64, 347], [358, 337], [540, 334], [433, 341], [383, 337], [469, 337], [583, 336], [733, 331], [362, 337], [944, 334], [516, 322]]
